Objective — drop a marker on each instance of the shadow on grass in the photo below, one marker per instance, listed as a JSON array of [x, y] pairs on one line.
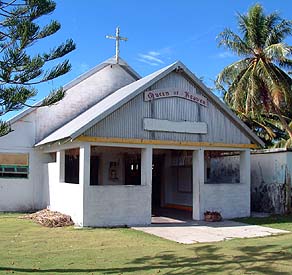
[[207, 259]]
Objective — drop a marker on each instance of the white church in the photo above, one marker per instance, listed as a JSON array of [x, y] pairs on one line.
[[119, 147]]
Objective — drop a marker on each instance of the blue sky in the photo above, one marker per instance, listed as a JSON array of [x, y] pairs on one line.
[[159, 32]]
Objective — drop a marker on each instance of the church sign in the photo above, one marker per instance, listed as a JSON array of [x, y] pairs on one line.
[[164, 93]]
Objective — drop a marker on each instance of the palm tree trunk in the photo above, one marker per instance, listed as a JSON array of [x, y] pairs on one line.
[[283, 122]]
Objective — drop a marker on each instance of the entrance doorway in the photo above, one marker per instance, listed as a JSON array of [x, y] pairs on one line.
[[172, 184], [157, 179]]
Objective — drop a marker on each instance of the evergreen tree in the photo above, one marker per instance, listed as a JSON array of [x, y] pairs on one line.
[[21, 71]]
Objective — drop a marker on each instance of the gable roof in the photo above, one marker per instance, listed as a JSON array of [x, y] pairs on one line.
[[79, 79], [89, 118]]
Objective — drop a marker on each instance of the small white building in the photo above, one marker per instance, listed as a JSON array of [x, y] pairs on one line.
[[119, 146]]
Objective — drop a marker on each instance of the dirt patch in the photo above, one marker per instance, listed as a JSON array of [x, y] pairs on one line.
[[49, 218]]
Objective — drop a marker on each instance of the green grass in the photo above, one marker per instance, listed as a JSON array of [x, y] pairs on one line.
[[28, 248], [278, 222]]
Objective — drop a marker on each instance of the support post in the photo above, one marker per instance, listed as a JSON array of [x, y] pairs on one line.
[[146, 179], [245, 167], [198, 181], [84, 179], [84, 165], [146, 166], [61, 163], [245, 173]]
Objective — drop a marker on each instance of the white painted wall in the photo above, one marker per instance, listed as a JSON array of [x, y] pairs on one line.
[[231, 200], [269, 167], [23, 194], [268, 175], [64, 197], [114, 205], [117, 205]]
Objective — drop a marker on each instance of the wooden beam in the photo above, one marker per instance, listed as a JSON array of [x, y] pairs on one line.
[[13, 159], [179, 207], [163, 142]]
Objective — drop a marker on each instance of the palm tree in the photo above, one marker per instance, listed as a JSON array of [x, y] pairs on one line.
[[258, 86]]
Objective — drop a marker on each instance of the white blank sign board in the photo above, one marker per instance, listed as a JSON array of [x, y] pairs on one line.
[[162, 125]]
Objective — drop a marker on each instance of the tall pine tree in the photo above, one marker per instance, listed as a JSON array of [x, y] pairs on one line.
[[21, 71]]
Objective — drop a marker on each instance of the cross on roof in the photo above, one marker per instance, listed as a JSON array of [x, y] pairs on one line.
[[117, 38]]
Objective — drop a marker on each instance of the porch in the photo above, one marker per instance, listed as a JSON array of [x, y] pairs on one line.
[[108, 184]]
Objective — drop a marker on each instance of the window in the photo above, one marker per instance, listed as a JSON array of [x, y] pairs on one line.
[[222, 167], [72, 166], [14, 165], [133, 170], [94, 170]]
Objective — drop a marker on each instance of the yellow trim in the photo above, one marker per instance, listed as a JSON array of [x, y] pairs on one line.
[[163, 142]]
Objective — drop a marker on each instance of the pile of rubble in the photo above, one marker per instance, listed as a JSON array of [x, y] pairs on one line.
[[49, 218]]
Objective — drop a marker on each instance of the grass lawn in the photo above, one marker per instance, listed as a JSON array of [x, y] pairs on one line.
[[278, 222], [28, 248]]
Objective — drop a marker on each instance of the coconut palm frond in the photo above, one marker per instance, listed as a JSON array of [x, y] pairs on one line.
[[284, 143], [230, 72], [258, 85], [255, 27], [286, 63], [277, 52], [280, 144], [277, 33], [233, 42]]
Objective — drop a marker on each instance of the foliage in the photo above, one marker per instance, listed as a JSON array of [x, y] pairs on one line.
[[20, 70], [257, 87]]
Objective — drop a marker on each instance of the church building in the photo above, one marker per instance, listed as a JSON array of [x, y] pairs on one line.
[[119, 147]]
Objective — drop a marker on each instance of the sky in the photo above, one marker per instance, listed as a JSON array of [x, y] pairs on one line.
[[159, 33]]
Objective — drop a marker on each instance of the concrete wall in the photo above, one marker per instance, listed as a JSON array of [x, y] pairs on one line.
[[114, 205], [23, 194], [268, 177], [64, 197], [231, 200], [117, 205]]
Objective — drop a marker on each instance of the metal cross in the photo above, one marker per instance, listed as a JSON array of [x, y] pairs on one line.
[[117, 38]]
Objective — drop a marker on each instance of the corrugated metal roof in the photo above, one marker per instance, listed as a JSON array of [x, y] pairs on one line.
[[80, 124], [96, 113]]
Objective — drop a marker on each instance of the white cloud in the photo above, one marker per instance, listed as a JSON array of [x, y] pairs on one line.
[[154, 53], [225, 55], [150, 57], [154, 58], [147, 62]]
